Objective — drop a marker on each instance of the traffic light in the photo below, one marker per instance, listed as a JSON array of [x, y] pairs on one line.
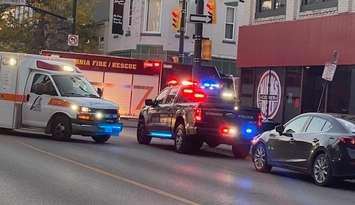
[[211, 8], [176, 18]]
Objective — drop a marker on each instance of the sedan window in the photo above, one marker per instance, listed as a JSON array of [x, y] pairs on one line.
[[296, 125], [316, 125], [348, 124]]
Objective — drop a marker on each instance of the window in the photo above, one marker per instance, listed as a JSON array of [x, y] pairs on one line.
[[172, 95], [297, 125], [74, 86], [230, 22], [42, 85], [316, 125], [160, 99], [152, 16], [349, 124], [327, 127], [267, 8], [318, 4]]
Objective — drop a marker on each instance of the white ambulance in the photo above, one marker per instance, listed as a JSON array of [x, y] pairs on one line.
[[40, 94]]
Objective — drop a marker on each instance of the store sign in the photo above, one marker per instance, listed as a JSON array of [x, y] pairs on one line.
[[269, 94], [117, 17], [92, 62]]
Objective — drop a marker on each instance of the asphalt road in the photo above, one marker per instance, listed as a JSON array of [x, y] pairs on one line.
[[37, 170]]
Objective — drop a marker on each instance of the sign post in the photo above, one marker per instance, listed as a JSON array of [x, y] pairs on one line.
[[328, 76], [73, 40], [200, 18]]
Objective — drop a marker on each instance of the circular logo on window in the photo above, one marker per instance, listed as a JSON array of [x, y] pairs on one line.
[[269, 94]]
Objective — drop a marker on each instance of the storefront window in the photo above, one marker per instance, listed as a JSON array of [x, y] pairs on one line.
[[247, 86], [267, 8], [318, 4], [152, 16], [292, 101]]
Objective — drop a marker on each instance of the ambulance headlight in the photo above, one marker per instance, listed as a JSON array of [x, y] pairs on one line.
[[99, 116], [12, 61], [85, 109], [74, 107]]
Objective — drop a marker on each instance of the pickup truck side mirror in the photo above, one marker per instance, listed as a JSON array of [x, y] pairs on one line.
[[100, 92], [280, 129], [149, 102]]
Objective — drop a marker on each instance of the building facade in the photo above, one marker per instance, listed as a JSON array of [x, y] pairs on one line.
[[148, 32], [283, 48]]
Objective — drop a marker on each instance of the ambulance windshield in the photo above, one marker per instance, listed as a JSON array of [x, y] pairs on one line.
[[74, 86]]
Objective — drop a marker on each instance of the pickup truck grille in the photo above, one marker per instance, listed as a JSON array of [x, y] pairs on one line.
[[110, 115]]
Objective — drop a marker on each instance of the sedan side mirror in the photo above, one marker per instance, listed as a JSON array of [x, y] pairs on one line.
[[149, 102], [100, 92], [280, 129]]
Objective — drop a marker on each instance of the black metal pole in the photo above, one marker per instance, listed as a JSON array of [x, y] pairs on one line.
[[73, 26], [75, 5], [182, 31], [198, 41]]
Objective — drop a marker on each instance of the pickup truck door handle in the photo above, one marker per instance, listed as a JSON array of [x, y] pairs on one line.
[[315, 140], [292, 140]]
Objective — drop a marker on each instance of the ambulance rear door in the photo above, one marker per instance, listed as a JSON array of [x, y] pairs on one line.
[[8, 85]]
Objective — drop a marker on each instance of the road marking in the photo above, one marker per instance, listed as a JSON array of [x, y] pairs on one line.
[[114, 176]]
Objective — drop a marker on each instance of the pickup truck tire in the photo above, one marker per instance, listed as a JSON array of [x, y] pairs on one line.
[[183, 144], [60, 128], [142, 137], [100, 139], [240, 151]]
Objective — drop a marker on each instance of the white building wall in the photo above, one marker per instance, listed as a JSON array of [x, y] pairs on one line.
[[167, 37]]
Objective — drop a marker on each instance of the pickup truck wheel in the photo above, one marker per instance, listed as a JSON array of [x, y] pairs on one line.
[[100, 139], [61, 129], [142, 137], [240, 151], [182, 142]]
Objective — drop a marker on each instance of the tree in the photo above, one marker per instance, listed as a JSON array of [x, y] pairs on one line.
[[39, 31]]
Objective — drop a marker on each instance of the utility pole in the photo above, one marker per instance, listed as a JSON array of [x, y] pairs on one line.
[[198, 41], [182, 31], [73, 26]]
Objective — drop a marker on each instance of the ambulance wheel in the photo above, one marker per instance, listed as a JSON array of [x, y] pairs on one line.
[[61, 129], [100, 139]]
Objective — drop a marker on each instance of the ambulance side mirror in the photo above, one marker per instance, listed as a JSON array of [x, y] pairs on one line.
[[100, 92]]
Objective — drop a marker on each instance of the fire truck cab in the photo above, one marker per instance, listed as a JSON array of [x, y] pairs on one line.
[[40, 94]]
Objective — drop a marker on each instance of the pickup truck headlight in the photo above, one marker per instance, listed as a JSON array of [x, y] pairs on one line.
[[99, 116]]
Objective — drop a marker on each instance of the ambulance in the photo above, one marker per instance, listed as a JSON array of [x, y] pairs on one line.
[[49, 95]]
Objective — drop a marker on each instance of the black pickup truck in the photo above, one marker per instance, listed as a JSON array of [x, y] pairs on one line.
[[190, 117]]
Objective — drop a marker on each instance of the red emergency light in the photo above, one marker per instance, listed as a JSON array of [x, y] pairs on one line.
[[152, 64]]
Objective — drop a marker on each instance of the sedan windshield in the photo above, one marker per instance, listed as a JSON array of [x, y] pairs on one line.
[[74, 86]]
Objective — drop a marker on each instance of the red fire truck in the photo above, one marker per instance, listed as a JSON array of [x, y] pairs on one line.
[[128, 81]]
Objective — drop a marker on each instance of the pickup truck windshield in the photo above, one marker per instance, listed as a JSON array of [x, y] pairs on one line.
[[74, 86]]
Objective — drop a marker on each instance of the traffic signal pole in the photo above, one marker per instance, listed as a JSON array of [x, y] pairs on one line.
[[182, 31], [198, 41]]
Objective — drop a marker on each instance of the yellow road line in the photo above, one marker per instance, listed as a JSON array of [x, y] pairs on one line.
[[114, 176]]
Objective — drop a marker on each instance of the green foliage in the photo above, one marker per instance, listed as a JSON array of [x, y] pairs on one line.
[[41, 31]]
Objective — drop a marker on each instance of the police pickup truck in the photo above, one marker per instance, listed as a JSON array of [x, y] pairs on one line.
[[191, 115]]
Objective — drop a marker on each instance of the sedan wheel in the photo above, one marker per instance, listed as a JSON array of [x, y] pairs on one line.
[[321, 170], [259, 159]]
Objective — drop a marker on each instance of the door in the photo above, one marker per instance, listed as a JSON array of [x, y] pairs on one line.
[[166, 111], [280, 146], [36, 112], [305, 143], [154, 112]]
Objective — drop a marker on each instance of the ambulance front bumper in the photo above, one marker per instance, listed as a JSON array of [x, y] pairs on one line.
[[96, 128]]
